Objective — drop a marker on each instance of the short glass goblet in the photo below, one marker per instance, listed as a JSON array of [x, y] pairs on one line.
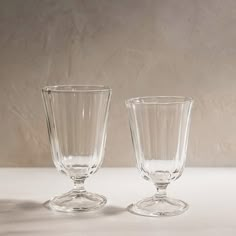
[[77, 122], [160, 128]]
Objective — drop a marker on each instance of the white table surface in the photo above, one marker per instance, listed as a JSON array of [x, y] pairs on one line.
[[210, 192]]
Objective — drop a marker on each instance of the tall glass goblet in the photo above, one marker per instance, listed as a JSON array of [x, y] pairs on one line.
[[159, 129], [77, 120]]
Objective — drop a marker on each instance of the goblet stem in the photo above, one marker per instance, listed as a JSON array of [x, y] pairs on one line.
[[79, 185], [161, 190]]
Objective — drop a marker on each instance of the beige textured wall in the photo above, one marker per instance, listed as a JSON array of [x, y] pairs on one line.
[[138, 47]]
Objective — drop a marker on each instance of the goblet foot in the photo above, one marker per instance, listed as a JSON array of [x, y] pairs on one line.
[[75, 201], [157, 207]]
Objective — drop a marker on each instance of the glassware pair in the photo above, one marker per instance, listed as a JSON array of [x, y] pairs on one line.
[[77, 123]]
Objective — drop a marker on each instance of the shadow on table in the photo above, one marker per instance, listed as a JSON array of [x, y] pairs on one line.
[[25, 210], [8, 206], [24, 217]]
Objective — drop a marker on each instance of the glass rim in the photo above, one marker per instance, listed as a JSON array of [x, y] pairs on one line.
[[159, 100], [75, 88]]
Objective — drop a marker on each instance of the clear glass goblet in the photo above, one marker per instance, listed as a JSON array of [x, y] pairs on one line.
[[77, 121], [159, 129]]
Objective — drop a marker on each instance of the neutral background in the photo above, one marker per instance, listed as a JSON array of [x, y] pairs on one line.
[[137, 47]]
